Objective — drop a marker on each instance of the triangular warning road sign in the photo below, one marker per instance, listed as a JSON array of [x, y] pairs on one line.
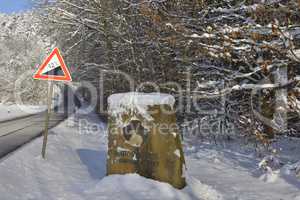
[[54, 68]]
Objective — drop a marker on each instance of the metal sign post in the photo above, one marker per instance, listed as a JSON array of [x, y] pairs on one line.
[[48, 115], [53, 69]]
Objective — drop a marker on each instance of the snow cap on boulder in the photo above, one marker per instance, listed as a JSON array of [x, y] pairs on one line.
[[136, 99], [137, 103]]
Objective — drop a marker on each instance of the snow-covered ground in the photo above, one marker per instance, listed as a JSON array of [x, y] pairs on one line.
[[75, 169], [12, 111], [235, 173]]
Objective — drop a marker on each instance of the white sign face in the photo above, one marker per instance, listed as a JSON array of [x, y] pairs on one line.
[[53, 68], [53, 64]]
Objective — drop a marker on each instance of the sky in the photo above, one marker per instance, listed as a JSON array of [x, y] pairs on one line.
[[11, 6]]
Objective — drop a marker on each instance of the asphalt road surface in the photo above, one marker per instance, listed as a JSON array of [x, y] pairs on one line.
[[15, 133]]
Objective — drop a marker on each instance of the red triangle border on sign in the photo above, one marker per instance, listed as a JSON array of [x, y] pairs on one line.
[[67, 75]]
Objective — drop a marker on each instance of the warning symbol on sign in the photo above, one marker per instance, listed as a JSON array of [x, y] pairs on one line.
[[54, 68]]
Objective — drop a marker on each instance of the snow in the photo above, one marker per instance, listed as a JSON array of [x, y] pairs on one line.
[[270, 176], [204, 35], [8, 112], [177, 153], [292, 170], [295, 54], [174, 134], [270, 162], [255, 86], [22, 47], [137, 102], [117, 101], [270, 166], [120, 149], [75, 168], [234, 172], [133, 186]]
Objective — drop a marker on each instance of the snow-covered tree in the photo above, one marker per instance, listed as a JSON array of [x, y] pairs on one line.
[[22, 49], [226, 55]]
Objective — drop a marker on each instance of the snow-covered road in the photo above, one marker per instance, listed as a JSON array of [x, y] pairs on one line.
[[9, 112], [75, 169], [14, 133]]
